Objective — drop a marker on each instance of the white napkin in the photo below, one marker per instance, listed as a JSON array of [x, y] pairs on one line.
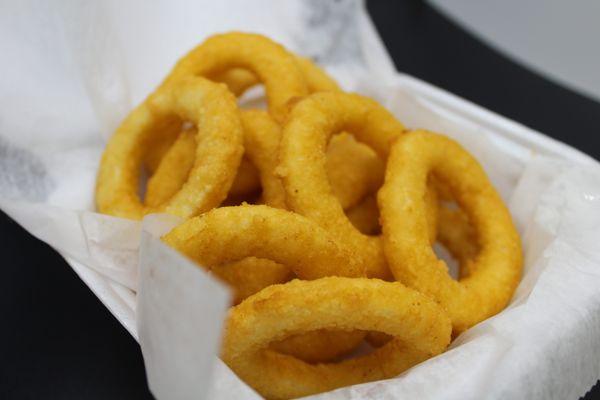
[[71, 71]]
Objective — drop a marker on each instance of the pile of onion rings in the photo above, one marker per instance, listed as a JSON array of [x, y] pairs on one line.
[[320, 212]]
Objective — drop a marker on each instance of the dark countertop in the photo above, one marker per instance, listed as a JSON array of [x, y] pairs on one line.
[[63, 345]]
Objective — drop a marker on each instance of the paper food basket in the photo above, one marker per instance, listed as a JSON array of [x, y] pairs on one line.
[[74, 69]]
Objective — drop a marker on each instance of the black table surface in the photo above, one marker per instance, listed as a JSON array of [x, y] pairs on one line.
[[66, 344]]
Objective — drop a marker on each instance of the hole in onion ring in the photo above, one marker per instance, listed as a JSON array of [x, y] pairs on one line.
[[443, 253], [365, 216], [456, 239], [246, 198], [254, 98], [355, 173], [169, 162]]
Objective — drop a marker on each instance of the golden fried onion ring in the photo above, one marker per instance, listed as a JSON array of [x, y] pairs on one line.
[[261, 142], [250, 275], [246, 181], [229, 234], [209, 106], [420, 328], [497, 266], [317, 80], [240, 60], [310, 126], [270, 62]]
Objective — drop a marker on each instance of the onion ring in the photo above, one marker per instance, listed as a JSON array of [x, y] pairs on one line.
[[261, 142], [175, 165], [246, 181], [250, 275], [269, 61], [229, 234], [419, 326], [239, 80], [497, 267], [234, 58], [209, 106], [310, 126]]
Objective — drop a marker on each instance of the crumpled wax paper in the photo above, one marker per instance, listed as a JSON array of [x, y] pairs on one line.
[[72, 70]]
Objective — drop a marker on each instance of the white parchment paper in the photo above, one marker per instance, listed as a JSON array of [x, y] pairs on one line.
[[71, 70]]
